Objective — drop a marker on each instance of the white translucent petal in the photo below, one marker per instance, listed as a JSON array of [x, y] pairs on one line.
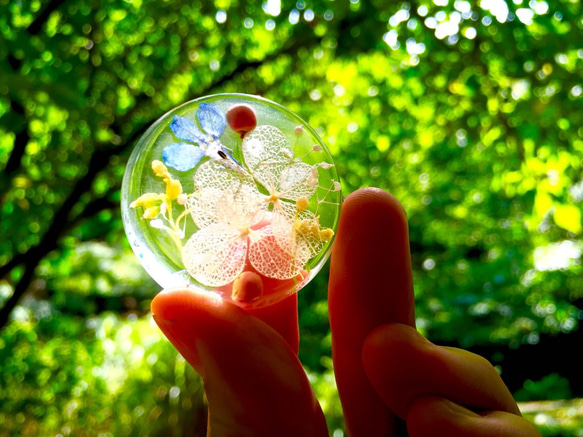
[[215, 255], [265, 143], [202, 206], [285, 208], [243, 208], [269, 259], [282, 229], [212, 174], [267, 152], [293, 182], [225, 196]]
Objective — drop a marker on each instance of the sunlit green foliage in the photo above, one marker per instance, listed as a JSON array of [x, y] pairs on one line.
[[470, 113], [62, 375], [555, 418]]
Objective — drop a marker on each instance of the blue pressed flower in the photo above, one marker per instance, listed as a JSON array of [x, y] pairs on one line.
[[182, 156], [185, 156]]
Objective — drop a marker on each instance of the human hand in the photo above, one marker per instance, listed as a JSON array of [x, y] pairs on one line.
[[384, 369]]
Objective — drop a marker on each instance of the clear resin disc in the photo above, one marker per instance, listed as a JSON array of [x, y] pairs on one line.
[[227, 187]]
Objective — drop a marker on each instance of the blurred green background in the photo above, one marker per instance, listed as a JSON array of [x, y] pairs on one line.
[[470, 113]]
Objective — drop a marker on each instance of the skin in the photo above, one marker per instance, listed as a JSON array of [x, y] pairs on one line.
[[391, 380]]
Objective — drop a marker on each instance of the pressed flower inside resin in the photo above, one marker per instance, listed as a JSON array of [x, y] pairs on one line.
[[227, 188]]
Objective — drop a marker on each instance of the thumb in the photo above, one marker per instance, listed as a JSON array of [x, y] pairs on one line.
[[439, 417], [254, 382]]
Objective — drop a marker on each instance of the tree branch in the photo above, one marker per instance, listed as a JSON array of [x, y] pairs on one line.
[[49, 242], [20, 288], [20, 142], [36, 26]]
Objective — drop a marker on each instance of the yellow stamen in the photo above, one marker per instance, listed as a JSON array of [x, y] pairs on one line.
[[173, 188], [151, 213], [326, 234], [160, 169], [311, 228], [302, 204], [147, 200], [274, 197]]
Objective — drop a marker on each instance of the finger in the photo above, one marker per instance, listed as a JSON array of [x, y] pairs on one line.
[[370, 285], [440, 417], [281, 316], [253, 381], [403, 366]]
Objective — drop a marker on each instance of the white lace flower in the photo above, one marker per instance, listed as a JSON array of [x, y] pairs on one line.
[[225, 209], [239, 225], [234, 228], [269, 156]]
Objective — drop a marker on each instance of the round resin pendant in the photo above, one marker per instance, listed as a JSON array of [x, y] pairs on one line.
[[232, 194]]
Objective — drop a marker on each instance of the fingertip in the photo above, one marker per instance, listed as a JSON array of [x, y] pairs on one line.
[[247, 287], [174, 311], [375, 194], [374, 200], [282, 316]]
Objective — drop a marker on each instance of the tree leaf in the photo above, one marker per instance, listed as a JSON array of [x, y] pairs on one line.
[[568, 217]]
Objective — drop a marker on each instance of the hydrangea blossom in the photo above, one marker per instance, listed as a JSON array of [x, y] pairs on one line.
[[185, 156], [290, 184], [276, 232], [234, 226]]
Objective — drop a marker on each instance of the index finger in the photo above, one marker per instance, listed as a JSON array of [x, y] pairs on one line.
[[370, 285]]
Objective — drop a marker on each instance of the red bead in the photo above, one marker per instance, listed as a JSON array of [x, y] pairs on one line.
[[241, 119]]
